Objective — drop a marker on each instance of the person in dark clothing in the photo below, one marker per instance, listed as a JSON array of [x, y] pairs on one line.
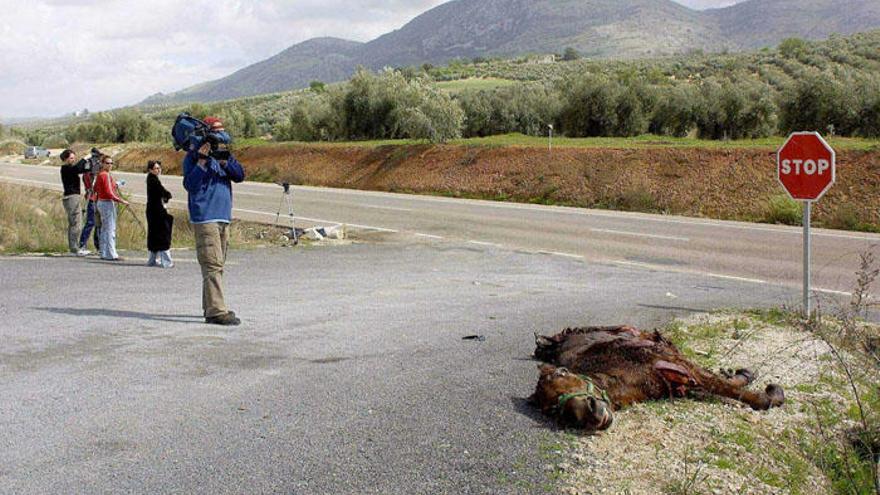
[[159, 222], [70, 172], [92, 167]]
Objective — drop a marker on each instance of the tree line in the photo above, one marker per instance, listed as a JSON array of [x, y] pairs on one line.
[[390, 106], [832, 87]]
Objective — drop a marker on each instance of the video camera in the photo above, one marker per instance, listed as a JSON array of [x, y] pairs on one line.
[[190, 133], [219, 150]]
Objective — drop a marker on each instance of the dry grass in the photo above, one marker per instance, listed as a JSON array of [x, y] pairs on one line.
[[32, 220]]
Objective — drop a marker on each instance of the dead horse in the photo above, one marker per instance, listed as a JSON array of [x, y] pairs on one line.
[[593, 371]]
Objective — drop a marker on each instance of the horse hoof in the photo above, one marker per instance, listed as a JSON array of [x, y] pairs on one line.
[[776, 395]]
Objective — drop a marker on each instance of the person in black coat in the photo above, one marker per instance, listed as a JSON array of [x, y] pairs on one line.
[[159, 221]]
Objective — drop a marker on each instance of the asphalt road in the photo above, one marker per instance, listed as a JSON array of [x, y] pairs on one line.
[[760, 254], [348, 376]]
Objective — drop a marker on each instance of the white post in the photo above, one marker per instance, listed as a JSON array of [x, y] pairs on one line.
[[550, 141], [807, 309]]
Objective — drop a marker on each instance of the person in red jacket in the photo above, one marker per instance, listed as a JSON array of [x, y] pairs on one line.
[[107, 193]]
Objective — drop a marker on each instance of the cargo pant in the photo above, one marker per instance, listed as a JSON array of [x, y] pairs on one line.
[[211, 243], [74, 217]]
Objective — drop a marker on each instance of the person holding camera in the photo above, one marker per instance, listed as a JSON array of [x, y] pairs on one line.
[[159, 222], [71, 169], [91, 168], [107, 194], [208, 174]]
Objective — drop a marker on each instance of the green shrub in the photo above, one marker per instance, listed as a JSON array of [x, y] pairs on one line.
[[793, 47], [822, 102], [56, 141], [848, 217], [312, 119], [631, 199], [602, 106], [675, 111], [12, 147], [570, 54], [782, 209], [388, 106], [526, 108], [739, 109], [122, 126]]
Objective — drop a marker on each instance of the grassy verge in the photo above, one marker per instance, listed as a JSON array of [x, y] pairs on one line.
[[816, 443], [34, 221]]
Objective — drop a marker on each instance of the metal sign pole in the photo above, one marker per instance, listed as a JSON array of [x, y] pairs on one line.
[[807, 253]]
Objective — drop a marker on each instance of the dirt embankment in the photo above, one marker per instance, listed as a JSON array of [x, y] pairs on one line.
[[733, 184]]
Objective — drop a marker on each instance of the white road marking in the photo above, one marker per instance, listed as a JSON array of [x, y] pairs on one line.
[[640, 234], [564, 255], [483, 243], [638, 264], [377, 207], [738, 279], [429, 236], [672, 269], [369, 227], [724, 277], [835, 292]]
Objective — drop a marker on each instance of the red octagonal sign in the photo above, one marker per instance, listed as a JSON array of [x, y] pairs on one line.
[[805, 166]]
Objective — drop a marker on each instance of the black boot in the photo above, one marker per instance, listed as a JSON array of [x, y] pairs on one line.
[[228, 319]]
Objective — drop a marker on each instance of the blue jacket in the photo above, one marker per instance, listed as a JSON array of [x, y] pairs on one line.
[[210, 188]]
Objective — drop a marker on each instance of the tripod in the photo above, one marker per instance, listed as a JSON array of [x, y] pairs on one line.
[[287, 197]]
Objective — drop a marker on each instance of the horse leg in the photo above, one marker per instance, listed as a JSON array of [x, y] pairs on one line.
[[742, 377], [773, 395]]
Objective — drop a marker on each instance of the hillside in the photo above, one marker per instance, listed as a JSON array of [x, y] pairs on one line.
[[470, 28], [596, 28], [758, 23], [323, 59]]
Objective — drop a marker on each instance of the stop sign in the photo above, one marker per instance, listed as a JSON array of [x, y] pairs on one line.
[[805, 166]]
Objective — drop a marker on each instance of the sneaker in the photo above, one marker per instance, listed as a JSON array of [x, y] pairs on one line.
[[227, 319], [83, 252]]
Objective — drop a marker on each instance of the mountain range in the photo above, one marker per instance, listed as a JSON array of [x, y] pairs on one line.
[[596, 28]]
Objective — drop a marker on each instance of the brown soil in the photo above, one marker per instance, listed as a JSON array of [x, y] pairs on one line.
[[732, 184]]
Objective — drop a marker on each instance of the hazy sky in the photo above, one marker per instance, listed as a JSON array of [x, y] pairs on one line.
[[59, 56]]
